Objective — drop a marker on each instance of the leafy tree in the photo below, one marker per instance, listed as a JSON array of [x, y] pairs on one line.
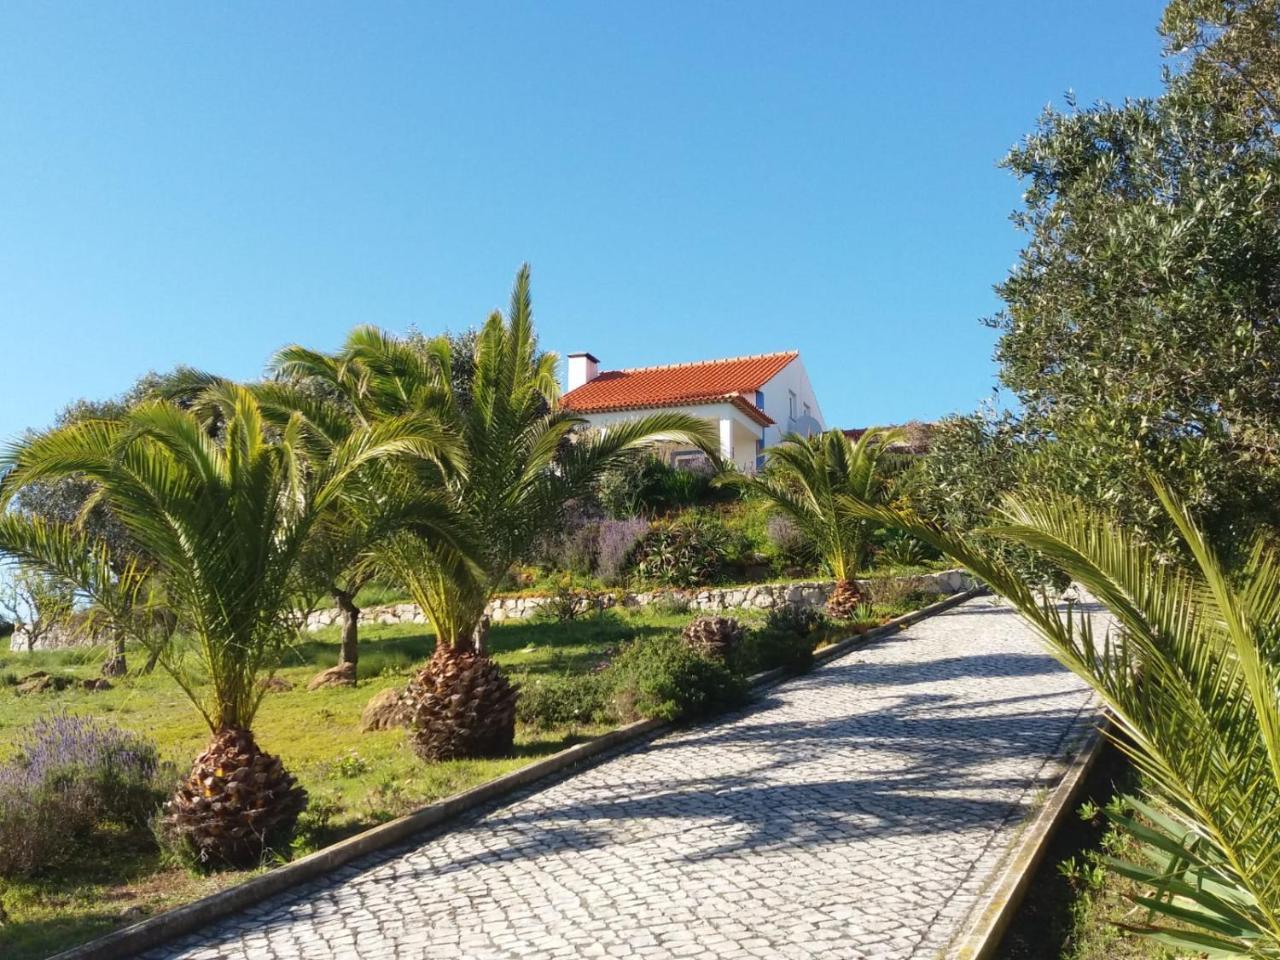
[[1141, 327], [72, 499], [523, 460], [223, 524], [341, 555], [36, 604], [805, 479]]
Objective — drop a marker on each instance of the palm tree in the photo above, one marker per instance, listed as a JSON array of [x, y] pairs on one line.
[[1190, 674], [224, 524], [805, 480], [524, 458], [341, 555]]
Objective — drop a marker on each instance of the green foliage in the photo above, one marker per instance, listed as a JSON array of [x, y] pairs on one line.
[[222, 523], [687, 552], [662, 677], [972, 462], [519, 467], [805, 479], [797, 618], [1190, 676], [775, 645], [567, 601], [1139, 328], [645, 485], [564, 700]]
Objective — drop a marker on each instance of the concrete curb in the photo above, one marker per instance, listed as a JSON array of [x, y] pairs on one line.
[[992, 914], [150, 933]]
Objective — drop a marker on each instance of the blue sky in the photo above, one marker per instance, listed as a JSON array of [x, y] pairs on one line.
[[203, 184]]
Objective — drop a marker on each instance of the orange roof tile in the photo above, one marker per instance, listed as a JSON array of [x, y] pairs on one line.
[[683, 384]]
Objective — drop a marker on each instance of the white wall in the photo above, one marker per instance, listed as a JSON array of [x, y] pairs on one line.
[[744, 431], [792, 377]]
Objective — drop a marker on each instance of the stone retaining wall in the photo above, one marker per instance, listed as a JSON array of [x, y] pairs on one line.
[[762, 596]]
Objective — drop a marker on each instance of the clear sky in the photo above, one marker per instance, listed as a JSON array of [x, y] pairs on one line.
[[203, 183]]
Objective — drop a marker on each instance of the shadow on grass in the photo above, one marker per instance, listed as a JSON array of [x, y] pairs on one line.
[[530, 645], [110, 860]]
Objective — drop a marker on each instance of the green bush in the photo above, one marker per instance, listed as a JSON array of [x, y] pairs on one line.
[[662, 677], [804, 621], [573, 698], [688, 552], [646, 486], [772, 647]]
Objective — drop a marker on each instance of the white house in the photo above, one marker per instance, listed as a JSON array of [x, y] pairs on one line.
[[754, 401]]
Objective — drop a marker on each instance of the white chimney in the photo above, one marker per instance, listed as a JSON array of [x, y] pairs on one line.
[[583, 368]]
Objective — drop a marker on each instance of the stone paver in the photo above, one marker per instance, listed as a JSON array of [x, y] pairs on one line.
[[856, 812]]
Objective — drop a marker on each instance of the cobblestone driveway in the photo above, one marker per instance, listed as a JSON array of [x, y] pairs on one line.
[[856, 812]]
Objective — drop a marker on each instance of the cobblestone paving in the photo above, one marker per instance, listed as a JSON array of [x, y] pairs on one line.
[[857, 812]]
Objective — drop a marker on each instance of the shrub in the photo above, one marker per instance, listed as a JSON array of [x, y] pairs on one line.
[[904, 550], [570, 547], [893, 595], [644, 485], [566, 602], [71, 776], [564, 700], [616, 544], [797, 618], [791, 548], [662, 677], [671, 604], [686, 553], [772, 647]]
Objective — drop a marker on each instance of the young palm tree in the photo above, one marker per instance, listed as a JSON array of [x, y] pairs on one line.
[[806, 478], [1191, 674], [341, 555], [524, 459], [224, 524]]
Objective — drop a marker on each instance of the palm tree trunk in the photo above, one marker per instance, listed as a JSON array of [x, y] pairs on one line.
[[350, 627], [115, 665]]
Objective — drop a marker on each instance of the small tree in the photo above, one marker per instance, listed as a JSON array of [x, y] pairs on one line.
[[806, 479], [523, 460], [36, 603], [224, 523]]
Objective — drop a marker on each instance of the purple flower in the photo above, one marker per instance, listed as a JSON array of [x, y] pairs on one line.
[[615, 546]]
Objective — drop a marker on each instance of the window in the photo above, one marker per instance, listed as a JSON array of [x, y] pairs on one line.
[[694, 460], [759, 399], [807, 412], [791, 404]]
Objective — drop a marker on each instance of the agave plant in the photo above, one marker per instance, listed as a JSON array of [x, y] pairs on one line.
[[523, 458], [224, 522], [1190, 671], [807, 480]]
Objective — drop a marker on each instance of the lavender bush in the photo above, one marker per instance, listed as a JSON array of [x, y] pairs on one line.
[[616, 543], [793, 548], [70, 777]]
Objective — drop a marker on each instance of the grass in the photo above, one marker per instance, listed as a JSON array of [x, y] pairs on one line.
[[1074, 903], [354, 780]]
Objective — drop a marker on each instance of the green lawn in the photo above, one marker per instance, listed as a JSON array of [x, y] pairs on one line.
[[354, 780]]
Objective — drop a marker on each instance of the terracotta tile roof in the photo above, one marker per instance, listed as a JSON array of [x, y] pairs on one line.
[[685, 384]]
